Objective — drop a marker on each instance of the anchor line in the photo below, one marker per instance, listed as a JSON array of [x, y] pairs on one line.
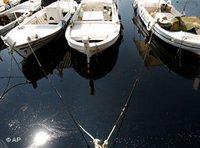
[[60, 96], [123, 111], [10, 88], [7, 88], [179, 50], [136, 82], [16, 63], [79, 127], [119, 129], [9, 79], [183, 11], [125, 108]]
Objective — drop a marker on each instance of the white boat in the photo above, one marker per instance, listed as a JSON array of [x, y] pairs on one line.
[[40, 28], [12, 3], [170, 25], [94, 27], [6, 4], [2, 7], [15, 15]]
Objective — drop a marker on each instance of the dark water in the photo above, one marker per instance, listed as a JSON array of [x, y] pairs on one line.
[[164, 111]]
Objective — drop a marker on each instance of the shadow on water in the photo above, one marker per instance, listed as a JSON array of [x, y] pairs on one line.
[[170, 107], [59, 56], [2, 45], [100, 64], [184, 63], [55, 58], [49, 57]]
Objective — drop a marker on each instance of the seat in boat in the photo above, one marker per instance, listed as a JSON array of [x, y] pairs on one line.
[[54, 15]]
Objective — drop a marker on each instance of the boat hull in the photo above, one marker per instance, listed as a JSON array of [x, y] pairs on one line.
[[180, 39], [27, 49], [93, 46], [39, 29], [94, 27], [25, 9], [12, 25]]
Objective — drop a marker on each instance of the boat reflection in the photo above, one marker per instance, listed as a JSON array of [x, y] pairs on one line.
[[100, 64], [56, 57], [150, 59], [184, 63], [49, 57]]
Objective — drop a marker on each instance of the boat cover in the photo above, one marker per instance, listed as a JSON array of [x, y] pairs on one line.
[[185, 23]]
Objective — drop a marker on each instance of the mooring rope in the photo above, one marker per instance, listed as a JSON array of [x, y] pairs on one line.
[[16, 63], [123, 111], [184, 7], [179, 49], [10, 88], [9, 78], [130, 96], [59, 95], [121, 115], [7, 89]]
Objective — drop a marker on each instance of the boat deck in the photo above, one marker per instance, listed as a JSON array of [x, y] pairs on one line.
[[94, 31], [32, 32], [95, 16]]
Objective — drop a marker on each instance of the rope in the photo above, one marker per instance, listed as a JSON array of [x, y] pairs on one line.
[[183, 11], [9, 78], [17, 63], [80, 128], [9, 89], [179, 50], [125, 108], [6, 90], [59, 95], [151, 35], [123, 111]]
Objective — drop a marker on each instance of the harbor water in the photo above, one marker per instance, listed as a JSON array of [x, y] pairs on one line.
[[42, 110]]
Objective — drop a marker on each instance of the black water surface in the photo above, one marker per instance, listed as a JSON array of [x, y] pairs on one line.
[[164, 111]]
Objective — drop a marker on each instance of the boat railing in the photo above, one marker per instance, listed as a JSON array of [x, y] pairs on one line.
[[93, 22]]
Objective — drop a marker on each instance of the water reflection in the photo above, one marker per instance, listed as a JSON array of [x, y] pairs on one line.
[[100, 64], [146, 53], [155, 52], [54, 58], [42, 135], [49, 57], [41, 138]]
